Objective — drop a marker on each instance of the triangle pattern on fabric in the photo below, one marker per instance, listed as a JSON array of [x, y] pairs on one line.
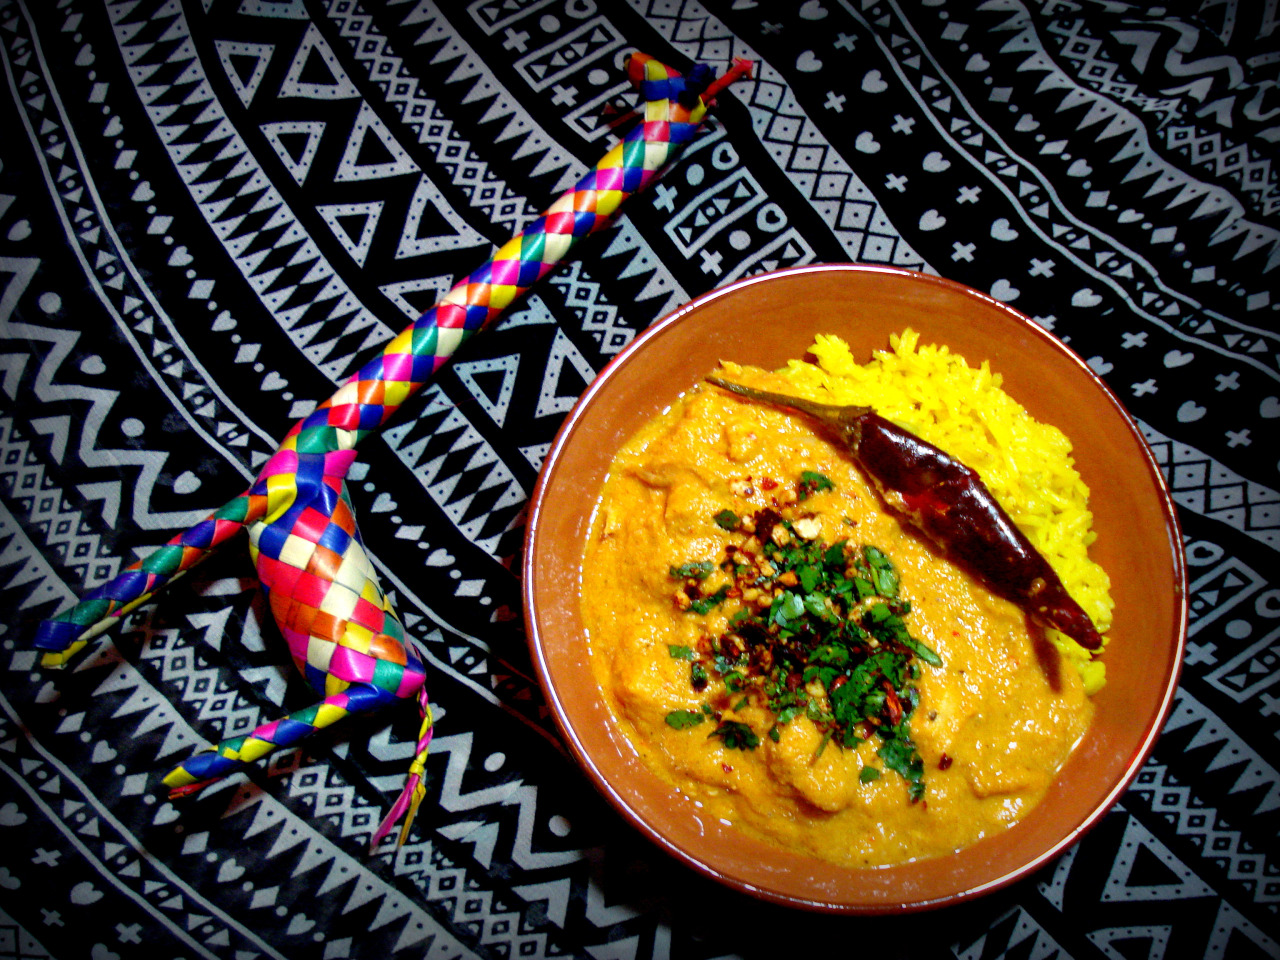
[[431, 225], [315, 73], [372, 158], [416, 297], [1238, 938], [550, 398], [295, 153], [1132, 943], [1145, 869], [234, 55], [492, 382], [341, 219]]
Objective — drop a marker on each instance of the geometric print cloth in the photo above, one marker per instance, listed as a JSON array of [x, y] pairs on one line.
[[213, 212]]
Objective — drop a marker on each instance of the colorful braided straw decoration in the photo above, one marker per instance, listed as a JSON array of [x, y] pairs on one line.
[[320, 583]]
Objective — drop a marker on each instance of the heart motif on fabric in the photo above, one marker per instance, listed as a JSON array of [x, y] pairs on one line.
[[872, 82], [300, 923], [932, 220], [866, 142], [93, 365], [180, 258], [1079, 169], [1002, 230], [1003, 290], [812, 10], [20, 230], [166, 814], [808, 62], [440, 557], [144, 192], [1099, 366], [1085, 297], [1026, 123], [935, 162], [1269, 408], [102, 752], [977, 63], [11, 816], [230, 871], [1190, 412], [1176, 358], [85, 893]]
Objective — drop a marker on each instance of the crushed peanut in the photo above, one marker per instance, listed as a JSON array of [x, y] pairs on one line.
[[807, 527]]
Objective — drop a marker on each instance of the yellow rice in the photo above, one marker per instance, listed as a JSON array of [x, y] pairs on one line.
[[1027, 465]]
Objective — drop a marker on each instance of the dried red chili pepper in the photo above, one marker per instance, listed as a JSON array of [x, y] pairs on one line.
[[948, 503]]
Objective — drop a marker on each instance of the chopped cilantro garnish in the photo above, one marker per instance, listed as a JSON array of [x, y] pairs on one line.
[[883, 575], [684, 719], [698, 570], [698, 677], [834, 617], [812, 482], [736, 735], [707, 604], [727, 520], [899, 754], [921, 651]]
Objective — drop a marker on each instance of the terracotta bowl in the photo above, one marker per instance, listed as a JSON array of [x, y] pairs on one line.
[[764, 321]]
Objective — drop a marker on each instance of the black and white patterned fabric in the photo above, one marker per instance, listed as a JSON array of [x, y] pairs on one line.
[[212, 210]]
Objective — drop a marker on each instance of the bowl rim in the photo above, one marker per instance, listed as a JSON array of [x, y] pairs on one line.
[[557, 704]]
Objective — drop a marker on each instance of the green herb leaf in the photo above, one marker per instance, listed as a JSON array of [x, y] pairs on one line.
[[698, 676], [698, 570], [883, 575], [679, 652], [704, 605], [810, 576], [786, 606], [684, 719], [834, 556], [812, 482], [920, 650], [868, 775], [727, 520], [736, 735], [899, 754], [826, 738]]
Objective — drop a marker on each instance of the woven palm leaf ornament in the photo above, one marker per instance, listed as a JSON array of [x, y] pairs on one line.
[[320, 584]]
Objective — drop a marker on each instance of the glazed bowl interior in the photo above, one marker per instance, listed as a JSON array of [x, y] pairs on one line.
[[765, 321]]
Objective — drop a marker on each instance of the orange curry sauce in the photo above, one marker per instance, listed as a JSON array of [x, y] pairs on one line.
[[993, 724]]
